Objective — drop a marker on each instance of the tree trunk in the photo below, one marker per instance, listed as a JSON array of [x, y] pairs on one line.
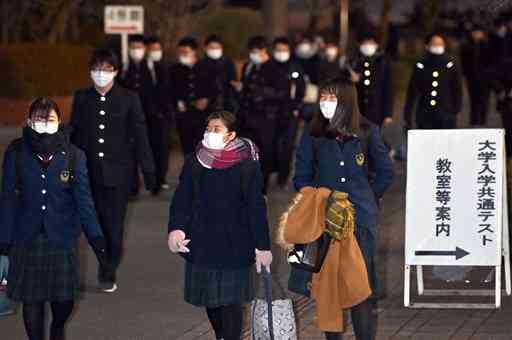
[[314, 17], [59, 24], [275, 16], [5, 21], [344, 33], [385, 18]]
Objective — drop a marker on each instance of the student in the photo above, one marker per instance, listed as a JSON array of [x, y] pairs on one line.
[[218, 222], [108, 124], [338, 151], [435, 88], [46, 198]]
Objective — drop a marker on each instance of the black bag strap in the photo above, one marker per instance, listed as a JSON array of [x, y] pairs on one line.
[[267, 279]]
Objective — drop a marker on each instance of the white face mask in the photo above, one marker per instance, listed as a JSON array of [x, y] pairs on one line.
[[214, 140], [187, 60], [282, 56], [368, 50], [156, 56], [437, 50], [305, 50], [214, 53], [255, 58], [328, 108], [102, 78], [331, 53], [137, 54], [45, 127]]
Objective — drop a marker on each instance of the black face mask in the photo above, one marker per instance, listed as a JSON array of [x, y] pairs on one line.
[[44, 143]]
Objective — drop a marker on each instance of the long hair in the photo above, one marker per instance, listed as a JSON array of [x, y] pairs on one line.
[[347, 118]]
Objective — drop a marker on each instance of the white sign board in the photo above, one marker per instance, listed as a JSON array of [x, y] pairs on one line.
[[455, 193], [124, 19]]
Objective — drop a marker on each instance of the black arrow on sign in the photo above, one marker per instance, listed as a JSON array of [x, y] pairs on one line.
[[458, 253]]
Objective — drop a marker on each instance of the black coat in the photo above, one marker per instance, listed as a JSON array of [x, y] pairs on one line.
[[375, 89], [310, 67], [224, 224], [288, 79], [220, 73], [262, 95], [437, 75], [108, 128], [188, 84], [476, 59]]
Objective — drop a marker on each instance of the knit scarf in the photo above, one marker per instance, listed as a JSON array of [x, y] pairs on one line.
[[238, 150]]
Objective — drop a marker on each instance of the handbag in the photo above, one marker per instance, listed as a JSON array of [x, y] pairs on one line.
[[272, 319], [310, 257]]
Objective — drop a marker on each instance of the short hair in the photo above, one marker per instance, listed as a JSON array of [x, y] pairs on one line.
[[135, 38], [213, 38], [257, 42], [188, 42], [104, 56], [228, 118], [368, 35], [306, 37], [42, 107], [152, 39], [332, 40], [281, 40], [430, 36]]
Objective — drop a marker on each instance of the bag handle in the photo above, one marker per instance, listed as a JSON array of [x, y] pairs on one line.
[[267, 278]]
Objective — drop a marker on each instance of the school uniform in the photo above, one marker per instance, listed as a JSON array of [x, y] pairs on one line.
[[224, 233], [345, 166], [43, 209], [108, 128]]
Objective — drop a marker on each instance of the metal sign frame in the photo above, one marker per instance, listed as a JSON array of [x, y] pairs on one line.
[[497, 292]]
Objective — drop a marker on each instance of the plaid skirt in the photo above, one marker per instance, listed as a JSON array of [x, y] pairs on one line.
[[41, 272], [213, 288]]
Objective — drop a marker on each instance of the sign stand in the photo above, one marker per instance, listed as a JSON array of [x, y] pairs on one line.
[[459, 253], [124, 20]]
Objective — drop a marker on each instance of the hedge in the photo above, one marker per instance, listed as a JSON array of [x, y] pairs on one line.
[[32, 70]]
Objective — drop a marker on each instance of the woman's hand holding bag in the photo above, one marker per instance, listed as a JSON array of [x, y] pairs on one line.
[[263, 258]]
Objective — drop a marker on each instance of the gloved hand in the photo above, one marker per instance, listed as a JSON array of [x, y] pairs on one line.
[[5, 249], [263, 258], [150, 181], [177, 242]]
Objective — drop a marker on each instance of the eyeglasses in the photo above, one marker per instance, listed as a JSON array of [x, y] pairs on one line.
[[103, 69]]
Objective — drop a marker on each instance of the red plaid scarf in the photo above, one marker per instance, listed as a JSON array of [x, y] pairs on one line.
[[238, 150]]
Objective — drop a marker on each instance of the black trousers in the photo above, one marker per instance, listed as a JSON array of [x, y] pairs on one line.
[[191, 126], [506, 118], [111, 205], [429, 120], [479, 94], [160, 142], [284, 147], [262, 130]]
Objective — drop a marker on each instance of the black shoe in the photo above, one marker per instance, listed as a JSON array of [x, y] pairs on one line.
[[107, 287]]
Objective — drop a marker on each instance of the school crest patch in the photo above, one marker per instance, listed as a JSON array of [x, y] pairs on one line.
[[360, 159]]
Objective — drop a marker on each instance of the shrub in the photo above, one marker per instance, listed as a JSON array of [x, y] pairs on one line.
[[32, 70]]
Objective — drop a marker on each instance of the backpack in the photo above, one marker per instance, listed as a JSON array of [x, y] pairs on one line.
[[197, 171], [17, 147]]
